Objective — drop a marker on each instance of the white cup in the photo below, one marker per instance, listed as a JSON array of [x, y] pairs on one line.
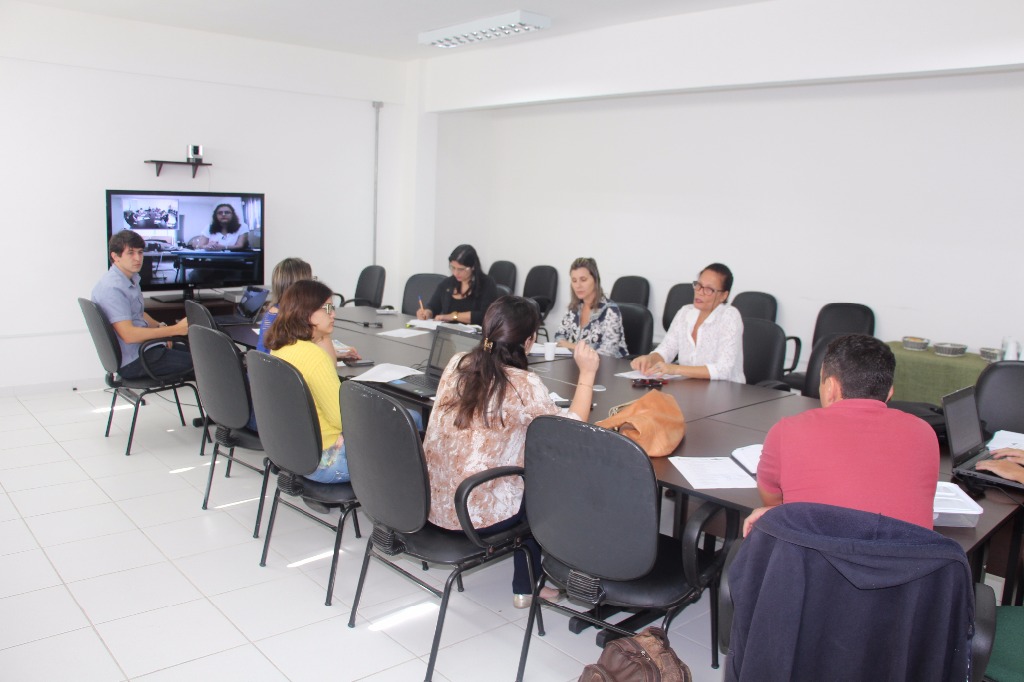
[[549, 350], [1011, 349]]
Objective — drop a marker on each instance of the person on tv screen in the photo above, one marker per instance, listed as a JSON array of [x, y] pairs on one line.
[[227, 232], [119, 296]]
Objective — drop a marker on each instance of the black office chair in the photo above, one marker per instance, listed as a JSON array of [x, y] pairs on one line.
[[389, 474], [631, 289], [542, 286], [756, 304], [811, 387], [419, 287], [592, 499], [290, 433], [1000, 396], [503, 272], [369, 287], [109, 351], [873, 598], [678, 296], [220, 375], [764, 352], [198, 315], [504, 290], [833, 318], [638, 326]]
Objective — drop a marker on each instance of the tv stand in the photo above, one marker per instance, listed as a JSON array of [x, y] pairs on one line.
[[170, 312]]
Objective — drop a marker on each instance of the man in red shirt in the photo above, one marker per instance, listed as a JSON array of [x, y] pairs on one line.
[[853, 451]]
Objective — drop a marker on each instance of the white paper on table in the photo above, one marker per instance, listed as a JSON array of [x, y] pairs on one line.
[[402, 333], [705, 473], [538, 349], [1006, 439], [637, 374], [748, 457], [385, 372]]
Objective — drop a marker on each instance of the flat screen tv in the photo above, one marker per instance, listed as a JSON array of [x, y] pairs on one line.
[[194, 240]]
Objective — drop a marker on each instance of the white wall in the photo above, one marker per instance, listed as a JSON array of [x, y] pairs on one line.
[[86, 100], [903, 195]]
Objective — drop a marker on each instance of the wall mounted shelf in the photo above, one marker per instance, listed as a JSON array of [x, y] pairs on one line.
[[195, 165]]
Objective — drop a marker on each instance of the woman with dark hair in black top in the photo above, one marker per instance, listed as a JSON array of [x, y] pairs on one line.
[[465, 295]]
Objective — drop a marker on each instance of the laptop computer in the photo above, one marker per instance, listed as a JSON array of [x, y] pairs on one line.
[[247, 310], [447, 342], [967, 440]]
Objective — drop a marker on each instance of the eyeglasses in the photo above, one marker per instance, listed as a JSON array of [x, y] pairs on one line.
[[328, 308], [225, 212], [707, 291], [458, 270]]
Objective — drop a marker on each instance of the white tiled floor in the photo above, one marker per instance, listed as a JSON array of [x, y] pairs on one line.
[[109, 570]]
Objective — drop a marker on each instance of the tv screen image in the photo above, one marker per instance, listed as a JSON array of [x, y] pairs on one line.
[[194, 240]]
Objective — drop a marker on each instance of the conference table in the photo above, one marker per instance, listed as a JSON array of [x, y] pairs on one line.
[[720, 417]]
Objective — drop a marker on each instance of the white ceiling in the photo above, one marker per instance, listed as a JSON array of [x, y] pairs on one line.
[[378, 28]]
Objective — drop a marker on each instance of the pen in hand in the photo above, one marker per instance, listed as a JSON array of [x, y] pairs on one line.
[[421, 301]]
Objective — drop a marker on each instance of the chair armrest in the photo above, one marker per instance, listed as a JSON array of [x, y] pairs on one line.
[[725, 611], [772, 383], [699, 575], [797, 345], [462, 494], [355, 301], [150, 344], [340, 298], [984, 630]]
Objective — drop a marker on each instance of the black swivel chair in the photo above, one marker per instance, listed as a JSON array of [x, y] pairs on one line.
[[389, 474], [369, 287], [756, 304], [631, 289], [198, 315], [764, 352], [833, 319], [1000, 395], [638, 326], [220, 375], [503, 290], [419, 287], [811, 387], [678, 296], [874, 598], [504, 272], [592, 499], [290, 433], [109, 350], [542, 286]]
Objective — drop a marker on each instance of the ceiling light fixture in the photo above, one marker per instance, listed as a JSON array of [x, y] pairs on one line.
[[511, 24]]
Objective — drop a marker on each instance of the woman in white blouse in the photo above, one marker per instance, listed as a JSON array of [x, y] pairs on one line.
[[705, 339]]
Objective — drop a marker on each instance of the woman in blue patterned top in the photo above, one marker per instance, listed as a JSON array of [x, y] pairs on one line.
[[591, 316]]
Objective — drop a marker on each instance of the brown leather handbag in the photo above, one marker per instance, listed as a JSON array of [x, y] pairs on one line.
[[646, 657], [654, 422]]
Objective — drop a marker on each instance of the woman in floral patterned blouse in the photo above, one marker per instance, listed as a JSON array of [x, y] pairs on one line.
[[591, 316], [484, 404]]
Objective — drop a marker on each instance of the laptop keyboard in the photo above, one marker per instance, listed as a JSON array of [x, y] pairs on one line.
[[421, 380]]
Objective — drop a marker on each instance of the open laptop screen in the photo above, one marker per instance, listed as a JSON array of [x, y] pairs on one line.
[[447, 344], [963, 428]]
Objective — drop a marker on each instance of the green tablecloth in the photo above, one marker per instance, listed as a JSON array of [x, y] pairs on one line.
[[923, 376]]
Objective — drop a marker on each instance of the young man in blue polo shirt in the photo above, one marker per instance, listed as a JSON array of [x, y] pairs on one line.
[[119, 296]]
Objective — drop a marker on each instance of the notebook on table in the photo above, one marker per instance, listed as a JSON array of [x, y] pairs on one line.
[[447, 342], [967, 440], [247, 310]]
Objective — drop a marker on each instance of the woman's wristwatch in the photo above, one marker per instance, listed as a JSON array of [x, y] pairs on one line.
[[455, 317]]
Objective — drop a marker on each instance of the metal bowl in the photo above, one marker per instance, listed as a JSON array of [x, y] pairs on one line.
[[950, 350], [991, 354], [915, 343]]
